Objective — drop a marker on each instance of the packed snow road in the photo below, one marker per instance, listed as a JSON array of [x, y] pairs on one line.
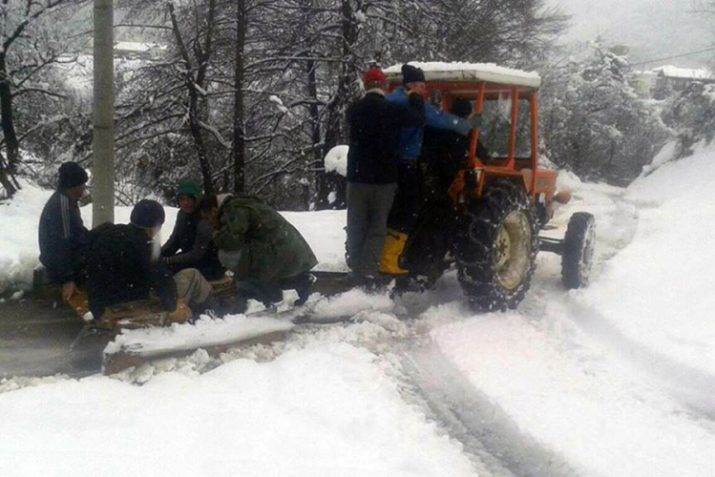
[[616, 379], [35, 340]]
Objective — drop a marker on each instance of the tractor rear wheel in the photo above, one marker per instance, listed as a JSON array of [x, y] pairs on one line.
[[577, 257], [496, 247]]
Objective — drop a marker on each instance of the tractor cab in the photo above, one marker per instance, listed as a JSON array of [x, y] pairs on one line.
[[508, 100], [499, 201]]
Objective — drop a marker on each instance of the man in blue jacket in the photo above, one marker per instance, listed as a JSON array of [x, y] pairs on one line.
[[406, 204]]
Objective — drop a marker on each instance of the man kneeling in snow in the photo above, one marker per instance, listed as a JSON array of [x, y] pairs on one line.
[[265, 252], [123, 266]]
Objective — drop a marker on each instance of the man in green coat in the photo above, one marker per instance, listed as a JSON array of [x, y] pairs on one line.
[[265, 252]]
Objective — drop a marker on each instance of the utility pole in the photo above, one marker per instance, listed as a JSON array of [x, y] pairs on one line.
[[103, 114]]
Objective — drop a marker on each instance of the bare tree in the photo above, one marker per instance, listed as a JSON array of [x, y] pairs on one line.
[[26, 47], [196, 68], [276, 82]]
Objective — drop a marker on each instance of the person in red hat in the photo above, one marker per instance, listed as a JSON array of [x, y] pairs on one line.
[[375, 125]]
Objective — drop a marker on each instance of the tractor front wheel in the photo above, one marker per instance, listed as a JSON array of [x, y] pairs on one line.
[[577, 258], [497, 246]]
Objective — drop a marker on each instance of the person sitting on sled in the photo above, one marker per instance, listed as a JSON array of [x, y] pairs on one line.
[[123, 266], [191, 242], [62, 234], [265, 252]]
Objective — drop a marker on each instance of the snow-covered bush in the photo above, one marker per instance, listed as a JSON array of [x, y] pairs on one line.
[[336, 160], [692, 115], [595, 124]]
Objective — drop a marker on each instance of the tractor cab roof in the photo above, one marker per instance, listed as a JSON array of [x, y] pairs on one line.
[[466, 77]]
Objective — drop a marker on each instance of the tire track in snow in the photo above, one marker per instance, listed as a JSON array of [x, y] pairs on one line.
[[489, 436], [486, 431], [692, 387]]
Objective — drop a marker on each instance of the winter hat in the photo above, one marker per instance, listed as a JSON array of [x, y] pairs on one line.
[[412, 74], [461, 107], [189, 188], [374, 78], [71, 175], [147, 214]]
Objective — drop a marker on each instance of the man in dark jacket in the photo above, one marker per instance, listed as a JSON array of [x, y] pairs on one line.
[[445, 153], [122, 265], [375, 126], [192, 237], [62, 234], [265, 252]]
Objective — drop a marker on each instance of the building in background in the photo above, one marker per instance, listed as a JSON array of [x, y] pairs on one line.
[[661, 82]]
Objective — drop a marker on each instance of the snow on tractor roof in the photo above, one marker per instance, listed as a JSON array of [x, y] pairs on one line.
[[458, 71]]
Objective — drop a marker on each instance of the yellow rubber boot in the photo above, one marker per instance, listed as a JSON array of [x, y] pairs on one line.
[[392, 250]]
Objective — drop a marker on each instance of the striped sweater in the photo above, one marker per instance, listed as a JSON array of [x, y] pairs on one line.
[[62, 236]]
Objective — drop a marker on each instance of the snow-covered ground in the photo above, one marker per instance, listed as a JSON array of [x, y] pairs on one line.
[[619, 378], [615, 379]]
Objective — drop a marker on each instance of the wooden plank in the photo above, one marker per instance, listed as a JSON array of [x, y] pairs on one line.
[[117, 362]]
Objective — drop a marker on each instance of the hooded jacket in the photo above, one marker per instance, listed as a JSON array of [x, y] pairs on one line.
[[271, 248], [120, 269]]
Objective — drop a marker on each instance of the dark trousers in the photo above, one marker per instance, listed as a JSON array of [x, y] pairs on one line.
[[430, 240], [406, 207], [368, 208]]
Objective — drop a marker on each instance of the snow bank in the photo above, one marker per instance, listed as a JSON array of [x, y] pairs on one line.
[[329, 409], [617, 378], [336, 160], [687, 73], [664, 279], [351, 303], [666, 154], [325, 233], [18, 239]]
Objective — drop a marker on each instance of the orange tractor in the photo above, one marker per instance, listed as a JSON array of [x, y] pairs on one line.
[[497, 204]]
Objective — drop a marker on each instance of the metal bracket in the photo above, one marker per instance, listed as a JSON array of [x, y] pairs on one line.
[[548, 244]]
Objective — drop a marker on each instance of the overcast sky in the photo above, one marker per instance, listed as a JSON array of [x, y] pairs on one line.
[[652, 28]]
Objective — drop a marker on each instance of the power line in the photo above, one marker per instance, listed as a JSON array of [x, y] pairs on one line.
[[712, 48]]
